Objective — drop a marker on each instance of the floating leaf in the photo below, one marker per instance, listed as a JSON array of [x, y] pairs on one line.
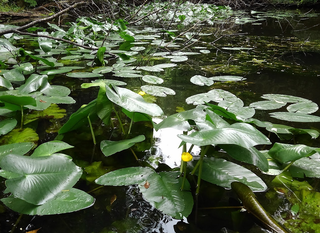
[[163, 192], [201, 80], [267, 105], [61, 70], [248, 155], [33, 83], [127, 74], [5, 83], [227, 78], [125, 176], [303, 107], [157, 90], [151, 68], [49, 148], [41, 178], [103, 70], [16, 148], [132, 101], [294, 117], [7, 125], [18, 100], [14, 75], [306, 167], [284, 98], [222, 172], [240, 134], [152, 79], [288, 153], [166, 65], [111, 147], [84, 75], [177, 58], [65, 201]]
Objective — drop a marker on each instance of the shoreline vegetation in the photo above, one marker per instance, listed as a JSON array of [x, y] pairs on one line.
[[30, 7]]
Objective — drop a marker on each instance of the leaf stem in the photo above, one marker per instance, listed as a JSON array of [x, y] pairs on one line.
[[203, 152], [92, 132], [119, 120], [21, 121]]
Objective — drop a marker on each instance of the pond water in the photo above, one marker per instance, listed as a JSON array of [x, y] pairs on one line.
[[277, 52]]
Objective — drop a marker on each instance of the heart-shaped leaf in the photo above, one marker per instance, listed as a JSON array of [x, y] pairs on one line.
[[240, 134], [157, 90], [267, 105], [287, 153], [7, 125], [16, 148], [201, 80], [40, 178], [295, 117], [65, 201], [303, 107], [222, 172], [111, 147], [49, 148], [132, 101]]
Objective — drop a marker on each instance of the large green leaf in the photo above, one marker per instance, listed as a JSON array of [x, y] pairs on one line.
[[104, 106], [18, 100], [5, 83], [229, 78], [111, 147], [65, 201], [33, 83], [125, 176], [14, 75], [240, 134], [180, 120], [295, 117], [163, 191], [49, 148], [7, 125], [16, 148], [306, 167], [132, 101], [222, 172], [287, 153], [84, 75], [40, 178], [248, 155], [152, 79], [79, 118]]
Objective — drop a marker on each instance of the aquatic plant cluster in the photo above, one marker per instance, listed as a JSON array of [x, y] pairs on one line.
[[40, 180]]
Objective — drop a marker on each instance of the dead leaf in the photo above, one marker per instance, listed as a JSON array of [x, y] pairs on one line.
[[147, 185], [113, 199], [34, 231]]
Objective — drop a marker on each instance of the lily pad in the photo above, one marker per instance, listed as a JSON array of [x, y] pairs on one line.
[[227, 78], [152, 79], [294, 117], [84, 75], [284, 98], [201, 80], [157, 90], [303, 107], [267, 105]]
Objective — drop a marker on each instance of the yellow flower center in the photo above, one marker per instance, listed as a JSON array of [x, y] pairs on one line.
[[186, 157], [142, 93]]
